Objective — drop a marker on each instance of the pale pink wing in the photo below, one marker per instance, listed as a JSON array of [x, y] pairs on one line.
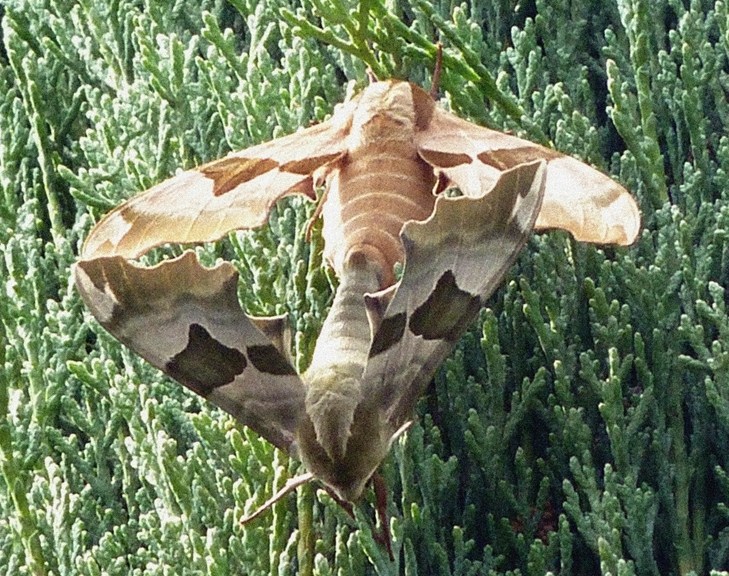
[[233, 193], [577, 198]]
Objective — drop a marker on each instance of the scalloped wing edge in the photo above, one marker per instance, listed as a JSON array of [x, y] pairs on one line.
[[196, 332]]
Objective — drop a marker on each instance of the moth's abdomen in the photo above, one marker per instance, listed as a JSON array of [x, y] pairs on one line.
[[376, 190]]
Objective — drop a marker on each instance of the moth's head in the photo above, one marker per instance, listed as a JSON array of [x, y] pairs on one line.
[[346, 473]]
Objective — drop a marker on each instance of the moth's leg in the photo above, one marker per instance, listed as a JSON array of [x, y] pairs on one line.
[[343, 503], [380, 487], [317, 212]]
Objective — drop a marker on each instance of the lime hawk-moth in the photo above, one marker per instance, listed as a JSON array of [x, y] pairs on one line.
[[384, 159]]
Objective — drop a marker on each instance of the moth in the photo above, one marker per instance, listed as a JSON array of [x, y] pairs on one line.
[[385, 160]]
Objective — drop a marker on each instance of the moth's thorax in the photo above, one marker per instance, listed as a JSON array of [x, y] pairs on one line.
[[381, 182], [343, 435], [343, 344], [333, 378], [332, 396]]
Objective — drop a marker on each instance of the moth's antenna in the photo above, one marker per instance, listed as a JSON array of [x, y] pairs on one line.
[[435, 85], [291, 485], [400, 431]]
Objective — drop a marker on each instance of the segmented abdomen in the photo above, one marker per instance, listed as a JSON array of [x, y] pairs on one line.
[[376, 190]]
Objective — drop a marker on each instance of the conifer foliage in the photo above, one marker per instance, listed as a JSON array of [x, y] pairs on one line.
[[582, 425]]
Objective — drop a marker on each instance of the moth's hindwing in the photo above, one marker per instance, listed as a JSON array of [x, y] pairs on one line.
[[185, 319], [453, 262]]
